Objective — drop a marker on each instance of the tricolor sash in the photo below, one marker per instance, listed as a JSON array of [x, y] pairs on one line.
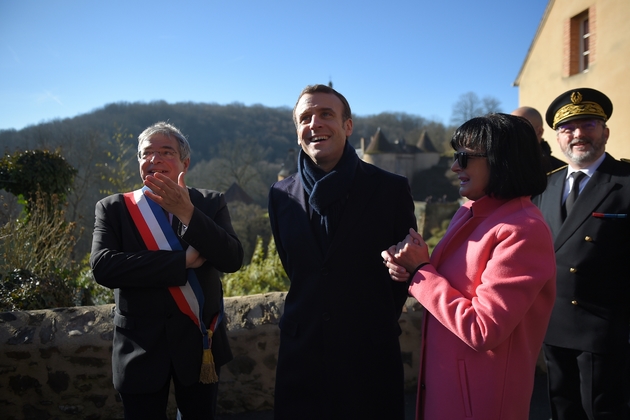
[[157, 234]]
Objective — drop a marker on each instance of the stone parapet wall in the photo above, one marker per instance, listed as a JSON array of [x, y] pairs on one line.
[[56, 364]]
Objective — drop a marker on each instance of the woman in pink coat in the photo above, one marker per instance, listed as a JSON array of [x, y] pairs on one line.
[[489, 285]]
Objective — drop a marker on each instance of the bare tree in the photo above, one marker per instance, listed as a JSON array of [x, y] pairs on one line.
[[206, 174], [120, 169], [491, 104], [469, 106], [241, 162], [105, 166], [83, 153], [465, 108]]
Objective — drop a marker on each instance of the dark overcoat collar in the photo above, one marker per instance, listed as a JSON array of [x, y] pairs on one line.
[[358, 201]]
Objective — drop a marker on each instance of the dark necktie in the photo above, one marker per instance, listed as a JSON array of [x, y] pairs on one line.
[[575, 190]]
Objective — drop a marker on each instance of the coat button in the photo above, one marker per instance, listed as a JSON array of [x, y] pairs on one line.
[[588, 239], [326, 316], [572, 270], [574, 302]]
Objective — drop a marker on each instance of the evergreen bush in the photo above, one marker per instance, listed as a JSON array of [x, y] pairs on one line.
[[263, 275], [36, 266]]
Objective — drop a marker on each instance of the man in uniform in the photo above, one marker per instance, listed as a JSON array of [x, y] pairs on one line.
[[586, 206]]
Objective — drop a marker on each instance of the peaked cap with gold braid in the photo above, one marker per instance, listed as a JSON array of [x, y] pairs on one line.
[[578, 103]]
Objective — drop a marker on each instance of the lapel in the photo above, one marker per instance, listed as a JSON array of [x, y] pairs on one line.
[[552, 206], [295, 191], [300, 214], [175, 226], [359, 198], [597, 188], [459, 219], [467, 219], [175, 223], [358, 201]]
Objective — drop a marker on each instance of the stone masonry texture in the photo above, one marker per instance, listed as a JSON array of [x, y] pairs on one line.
[[56, 364]]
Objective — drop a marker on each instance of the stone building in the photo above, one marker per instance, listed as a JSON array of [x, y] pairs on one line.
[[580, 43], [400, 157]]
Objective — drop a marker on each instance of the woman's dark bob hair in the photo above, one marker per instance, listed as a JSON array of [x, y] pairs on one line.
[[514, 154]]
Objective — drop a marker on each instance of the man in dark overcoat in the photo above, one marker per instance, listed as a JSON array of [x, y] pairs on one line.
[[586, 206], [155, 341], [339, 352]]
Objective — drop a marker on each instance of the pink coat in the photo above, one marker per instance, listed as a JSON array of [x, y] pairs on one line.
[[488, 295]]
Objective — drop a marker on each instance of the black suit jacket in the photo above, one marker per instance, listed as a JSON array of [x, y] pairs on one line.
[[592, 309], [339, 352], [151, 333]]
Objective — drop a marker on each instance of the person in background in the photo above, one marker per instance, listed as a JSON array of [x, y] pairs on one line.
[[488, 287], [161, 248], [586, 206], [339, 355], [532, 115]]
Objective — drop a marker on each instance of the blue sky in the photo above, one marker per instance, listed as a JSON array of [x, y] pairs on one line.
[[62, 58]]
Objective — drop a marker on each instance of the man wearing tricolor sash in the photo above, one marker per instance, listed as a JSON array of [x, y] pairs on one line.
[[161, 249]]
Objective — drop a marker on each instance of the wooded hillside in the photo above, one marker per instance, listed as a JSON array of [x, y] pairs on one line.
[[230, 143]]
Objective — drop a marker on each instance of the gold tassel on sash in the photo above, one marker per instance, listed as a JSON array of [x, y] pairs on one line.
[[208, 373]]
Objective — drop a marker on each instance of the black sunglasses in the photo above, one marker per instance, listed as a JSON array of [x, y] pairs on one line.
[[462, 158]]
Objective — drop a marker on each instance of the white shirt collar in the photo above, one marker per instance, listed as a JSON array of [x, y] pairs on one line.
[[590, 169]]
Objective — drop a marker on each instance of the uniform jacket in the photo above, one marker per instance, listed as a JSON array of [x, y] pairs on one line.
[[339, 352], [592, 310], [488, 295], [151, 333]]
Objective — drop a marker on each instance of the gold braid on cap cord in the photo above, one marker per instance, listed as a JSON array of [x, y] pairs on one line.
[[576, 108]]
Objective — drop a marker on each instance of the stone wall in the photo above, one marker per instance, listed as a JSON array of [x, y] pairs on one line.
[[56, 364]]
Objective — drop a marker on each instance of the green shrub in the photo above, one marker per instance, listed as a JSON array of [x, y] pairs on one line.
[[21, 290], [36, 175], [36, 266], [264, 274]]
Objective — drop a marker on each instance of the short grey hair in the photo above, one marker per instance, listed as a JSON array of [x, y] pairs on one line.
[[167, 130]]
